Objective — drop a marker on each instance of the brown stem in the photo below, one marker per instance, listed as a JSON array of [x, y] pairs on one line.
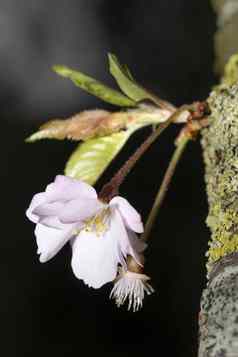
[[164, 186], [110, 189]]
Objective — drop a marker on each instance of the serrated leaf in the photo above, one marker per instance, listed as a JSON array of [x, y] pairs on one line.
[[95, 87], [125, 80], [92, 157]]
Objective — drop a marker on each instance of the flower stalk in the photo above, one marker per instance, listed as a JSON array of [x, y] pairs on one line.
[[165, 185]]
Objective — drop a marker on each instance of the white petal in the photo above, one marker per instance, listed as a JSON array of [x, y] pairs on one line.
[[51, 240], [137, 247], [128, 242], [131, 217], [94, 258]]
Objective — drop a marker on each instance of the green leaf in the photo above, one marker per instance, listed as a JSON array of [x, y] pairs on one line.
[[95, 87], [125, 80], [92, 157]]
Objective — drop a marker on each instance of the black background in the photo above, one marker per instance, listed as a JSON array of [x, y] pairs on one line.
[[168, 45]]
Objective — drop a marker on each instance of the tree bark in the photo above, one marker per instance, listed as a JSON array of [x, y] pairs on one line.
[[219, 315], [225, 40], [219, 305]]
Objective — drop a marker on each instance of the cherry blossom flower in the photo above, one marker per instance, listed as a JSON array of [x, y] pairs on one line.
[[101, 234]]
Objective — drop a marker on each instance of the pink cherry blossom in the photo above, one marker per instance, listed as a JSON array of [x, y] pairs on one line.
[[102, 235]]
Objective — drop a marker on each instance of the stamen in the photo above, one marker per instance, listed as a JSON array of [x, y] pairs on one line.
[[97, 224], [132, 287]]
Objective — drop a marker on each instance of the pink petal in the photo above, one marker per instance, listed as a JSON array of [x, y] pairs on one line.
[[48, 209], [51, 240], [66, 188], [54, 222], [37, 200], [50, 202], [130, 216], [79, 210]]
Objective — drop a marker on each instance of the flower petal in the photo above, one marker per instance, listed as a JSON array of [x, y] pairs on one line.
[[37, 200], [94, 259], [67, 188], [61, 191], [137, 247], [50, 240], [131, 217], [128, 242], [54, 222], [80, 210], [48, 209]]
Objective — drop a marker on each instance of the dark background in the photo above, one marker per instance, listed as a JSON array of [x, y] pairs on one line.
[[168, 44]]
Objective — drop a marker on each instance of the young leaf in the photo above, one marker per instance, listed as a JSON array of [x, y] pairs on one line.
[[92, 157], [96, 123], [95, 87], [125, 80], [82, 126]]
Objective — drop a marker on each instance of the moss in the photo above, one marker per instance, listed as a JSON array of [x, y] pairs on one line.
[[220, 147]]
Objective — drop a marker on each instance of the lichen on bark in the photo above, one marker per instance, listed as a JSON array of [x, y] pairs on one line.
[[219, 316], [225, 39], [220, 148], [231, 71]]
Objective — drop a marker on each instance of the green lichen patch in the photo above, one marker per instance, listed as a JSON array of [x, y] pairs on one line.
[[231, 71], [220, 148]]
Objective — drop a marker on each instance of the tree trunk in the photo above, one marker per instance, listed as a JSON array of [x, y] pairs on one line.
[[219, 305], [226, 36]]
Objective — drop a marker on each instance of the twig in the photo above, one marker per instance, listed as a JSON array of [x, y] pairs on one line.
[[164, 186]]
